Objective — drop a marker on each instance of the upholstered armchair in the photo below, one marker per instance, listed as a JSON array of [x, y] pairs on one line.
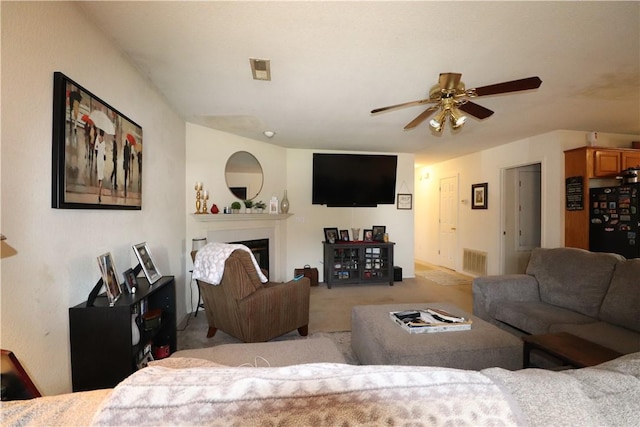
[[250, 310]]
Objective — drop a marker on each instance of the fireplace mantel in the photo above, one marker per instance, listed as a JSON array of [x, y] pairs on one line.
[[238, 227], [239, 217]]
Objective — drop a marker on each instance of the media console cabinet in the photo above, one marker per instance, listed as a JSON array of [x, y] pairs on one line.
[[102, 352], [358, 262]]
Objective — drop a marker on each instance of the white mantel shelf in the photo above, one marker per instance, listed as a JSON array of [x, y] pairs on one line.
[[239, 217]]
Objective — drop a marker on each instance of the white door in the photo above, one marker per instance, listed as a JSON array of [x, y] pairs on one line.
[[448, 221], [521, 216]]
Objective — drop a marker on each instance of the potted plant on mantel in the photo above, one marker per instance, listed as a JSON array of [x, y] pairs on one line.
[[235, 207], [259, 206], [247, 204]]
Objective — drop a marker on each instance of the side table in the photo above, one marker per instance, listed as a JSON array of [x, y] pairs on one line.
[[569, 348]]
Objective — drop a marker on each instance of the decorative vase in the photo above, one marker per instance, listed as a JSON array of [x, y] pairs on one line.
[[284, 204], [135, 332]]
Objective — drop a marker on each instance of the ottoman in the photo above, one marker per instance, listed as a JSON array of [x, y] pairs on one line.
[[272, 353], [377, 340]]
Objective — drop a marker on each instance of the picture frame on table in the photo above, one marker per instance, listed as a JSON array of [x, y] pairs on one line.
[[368, 235], [344, 235], [86, 133], [479, 195], [404, 201], [378, 232], [146, 262], [109, 277], [331, 235], [130, 281]]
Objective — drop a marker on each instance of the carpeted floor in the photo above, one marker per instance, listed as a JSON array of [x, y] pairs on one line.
[[330, 309], [446, 278]]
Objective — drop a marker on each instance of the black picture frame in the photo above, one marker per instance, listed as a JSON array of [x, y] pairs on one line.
[[367, 235], [344, 235], [146, 262], [479, 196], [331, 235], [80, 119], [130, 281], [404, 201], [378, 232]]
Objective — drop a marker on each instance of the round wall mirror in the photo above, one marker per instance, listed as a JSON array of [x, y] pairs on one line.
[[243, 175]]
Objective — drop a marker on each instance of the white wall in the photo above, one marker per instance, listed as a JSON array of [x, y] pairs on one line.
[[481, 229], [55, 265]]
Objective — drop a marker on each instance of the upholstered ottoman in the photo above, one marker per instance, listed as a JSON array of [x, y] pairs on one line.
[[273, 353], [377, 340]]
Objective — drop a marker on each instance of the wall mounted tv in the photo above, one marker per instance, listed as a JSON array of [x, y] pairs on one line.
[[353, 180]]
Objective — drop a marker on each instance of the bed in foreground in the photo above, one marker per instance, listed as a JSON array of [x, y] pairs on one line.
[[189, 391]]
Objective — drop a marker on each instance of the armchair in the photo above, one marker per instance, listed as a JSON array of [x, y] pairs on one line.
[[250, 310]]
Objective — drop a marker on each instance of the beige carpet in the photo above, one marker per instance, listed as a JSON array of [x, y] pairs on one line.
[[446, 278]]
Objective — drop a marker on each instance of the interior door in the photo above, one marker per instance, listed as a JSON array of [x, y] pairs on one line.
[[521, 216], [448, 221]]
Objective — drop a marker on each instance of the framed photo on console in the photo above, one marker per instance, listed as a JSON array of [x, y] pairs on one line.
[[378, 232], [331, 235], [109, 277], [146, 261], [368, 235]]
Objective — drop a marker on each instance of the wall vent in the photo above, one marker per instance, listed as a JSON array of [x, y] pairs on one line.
[[260, 68], [474, 262]]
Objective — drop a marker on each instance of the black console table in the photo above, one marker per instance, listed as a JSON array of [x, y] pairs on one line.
[[102, 353], [358, 262]]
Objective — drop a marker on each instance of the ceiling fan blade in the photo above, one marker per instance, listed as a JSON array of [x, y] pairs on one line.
[[449, 81], [475, 110], [421, 118], [405, 104], [512, 86]]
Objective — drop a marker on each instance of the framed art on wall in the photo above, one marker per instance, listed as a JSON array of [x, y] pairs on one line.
[[109, 277], [479, 194], [146, 262], [96, 152], [404, 201]]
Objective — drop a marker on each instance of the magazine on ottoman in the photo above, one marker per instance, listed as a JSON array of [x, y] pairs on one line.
[[429, 320]]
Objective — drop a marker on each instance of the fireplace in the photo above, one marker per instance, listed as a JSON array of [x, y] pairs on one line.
[[260, 249]]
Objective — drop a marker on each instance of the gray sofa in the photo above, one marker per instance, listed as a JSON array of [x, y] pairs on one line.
[[595, 296]]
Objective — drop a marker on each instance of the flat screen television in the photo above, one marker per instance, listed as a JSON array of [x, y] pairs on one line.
[[353, 180]]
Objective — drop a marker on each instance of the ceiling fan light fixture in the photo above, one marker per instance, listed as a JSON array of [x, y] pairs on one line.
[[456, 118], [437, 123]]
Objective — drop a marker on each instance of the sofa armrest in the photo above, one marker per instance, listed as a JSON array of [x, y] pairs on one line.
[[509, 287]]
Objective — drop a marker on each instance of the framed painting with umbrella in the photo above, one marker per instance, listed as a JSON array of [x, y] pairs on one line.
[[97, 152]]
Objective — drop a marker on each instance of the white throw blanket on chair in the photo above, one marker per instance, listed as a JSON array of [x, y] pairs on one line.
[[210, 259]]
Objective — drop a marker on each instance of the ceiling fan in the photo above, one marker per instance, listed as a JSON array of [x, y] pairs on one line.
[[451, 98]]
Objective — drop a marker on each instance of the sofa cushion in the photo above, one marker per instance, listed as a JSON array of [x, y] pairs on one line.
[[616, 338], [621, 305], [573, 278], [535, 317]]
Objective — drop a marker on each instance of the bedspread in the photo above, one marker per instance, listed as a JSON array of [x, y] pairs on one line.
[[312, 394]]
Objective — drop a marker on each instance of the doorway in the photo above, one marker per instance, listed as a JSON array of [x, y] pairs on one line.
[[448, 231], [521, 216]]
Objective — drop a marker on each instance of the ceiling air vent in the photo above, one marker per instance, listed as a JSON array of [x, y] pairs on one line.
[[260, 68]]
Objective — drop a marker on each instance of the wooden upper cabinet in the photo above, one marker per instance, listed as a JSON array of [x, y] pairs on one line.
[[630, 160], [607, 163]]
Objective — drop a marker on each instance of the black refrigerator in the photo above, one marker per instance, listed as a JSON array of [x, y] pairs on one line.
[[614, 220]]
